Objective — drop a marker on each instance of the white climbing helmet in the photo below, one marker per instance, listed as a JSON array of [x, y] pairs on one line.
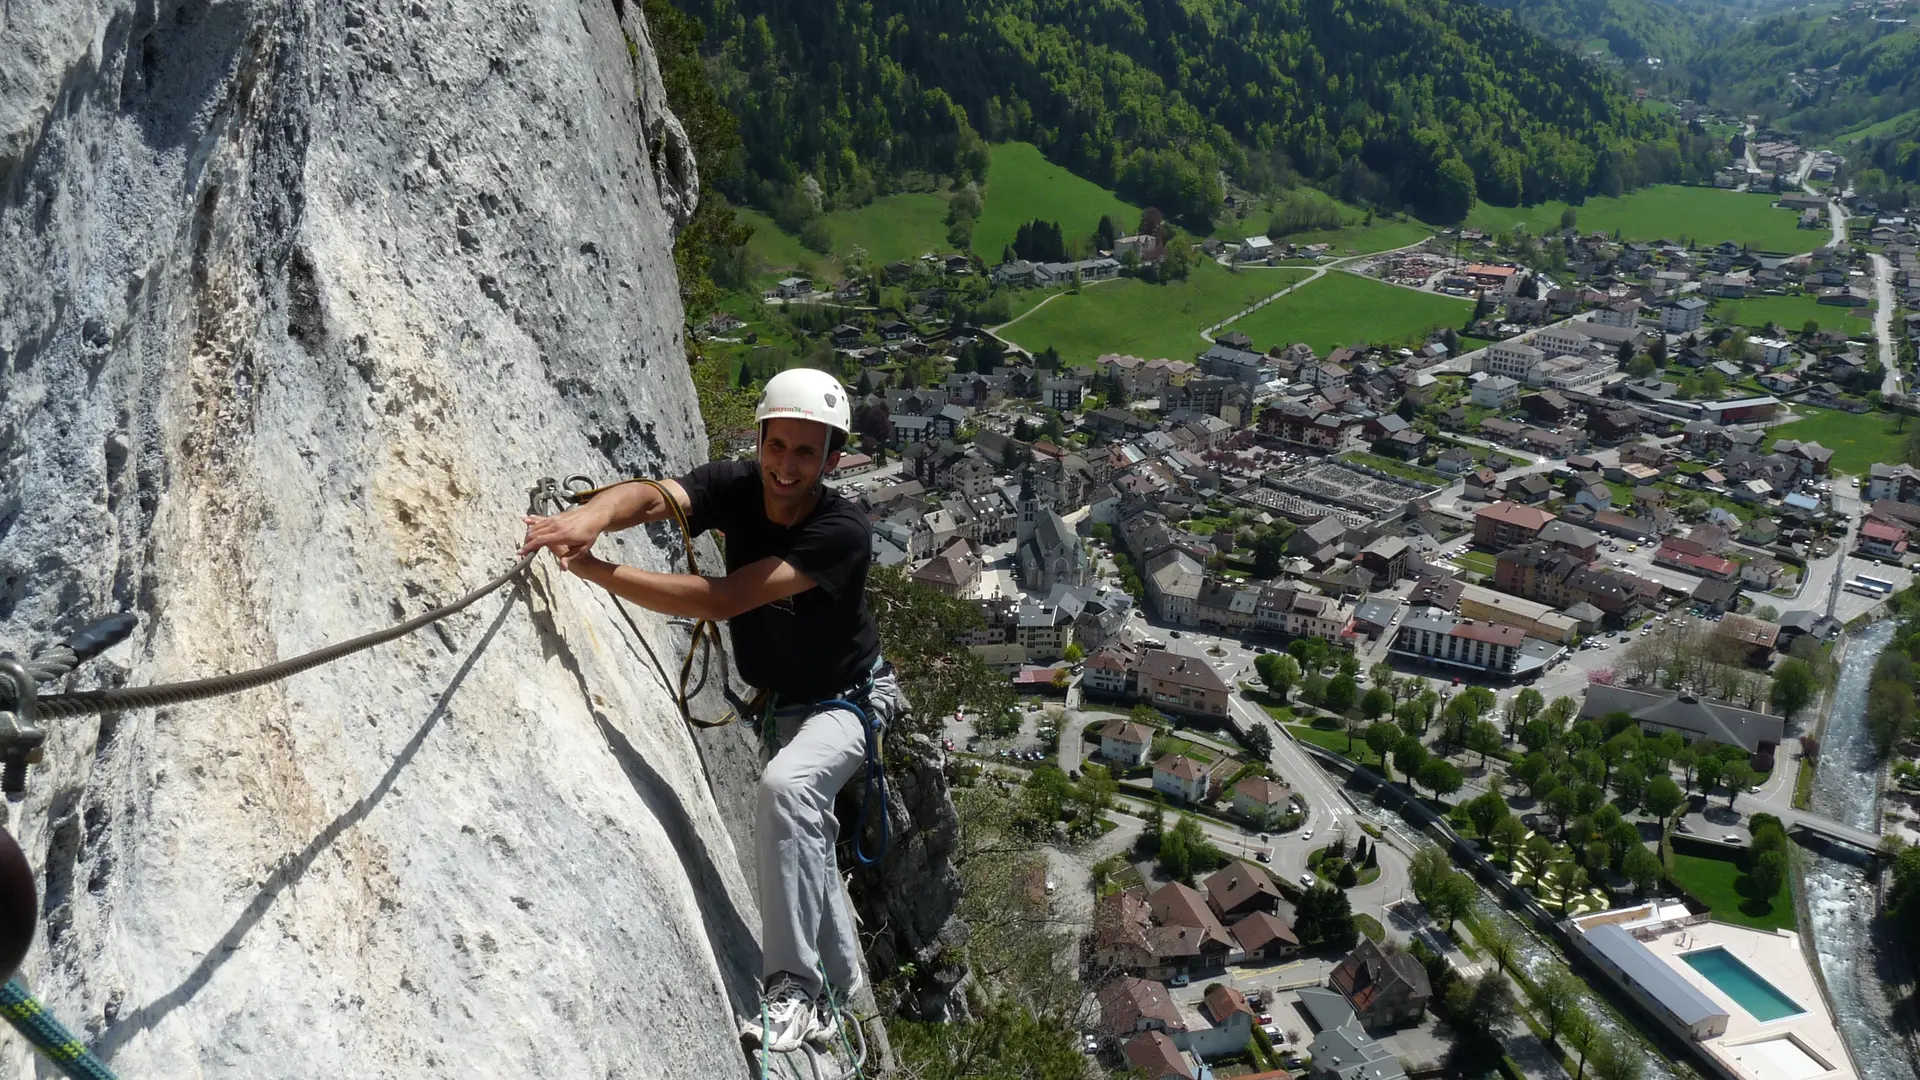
[[805, 394]]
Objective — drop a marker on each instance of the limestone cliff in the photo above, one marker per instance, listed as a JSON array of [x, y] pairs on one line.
[[296, 300]]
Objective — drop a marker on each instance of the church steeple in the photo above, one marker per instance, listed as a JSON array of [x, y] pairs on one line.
[[1029, 505]]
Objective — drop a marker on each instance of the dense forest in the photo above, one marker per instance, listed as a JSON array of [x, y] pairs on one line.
[[1425, 105], [1805, 71]]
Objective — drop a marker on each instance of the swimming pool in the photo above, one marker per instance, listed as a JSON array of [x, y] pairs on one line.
[[1738, 981]]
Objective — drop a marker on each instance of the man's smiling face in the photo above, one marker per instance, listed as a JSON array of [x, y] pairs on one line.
[[793, 458]]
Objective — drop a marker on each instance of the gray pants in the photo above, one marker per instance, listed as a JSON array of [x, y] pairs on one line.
[[806, 924]]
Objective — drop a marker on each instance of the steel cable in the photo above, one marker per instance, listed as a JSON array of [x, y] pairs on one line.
[[85, 702]]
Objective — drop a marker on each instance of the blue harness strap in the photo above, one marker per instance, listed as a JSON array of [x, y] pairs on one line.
[[876, 781]]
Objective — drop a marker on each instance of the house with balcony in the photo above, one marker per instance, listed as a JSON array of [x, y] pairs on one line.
[[1506, 524], [1183, 684]]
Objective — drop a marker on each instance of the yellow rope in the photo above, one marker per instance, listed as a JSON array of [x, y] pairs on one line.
[[705, 630]]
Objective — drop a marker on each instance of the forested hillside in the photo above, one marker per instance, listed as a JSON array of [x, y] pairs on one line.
[[1631, 30], [1807, 72], [1887, 167], [1422, 104]]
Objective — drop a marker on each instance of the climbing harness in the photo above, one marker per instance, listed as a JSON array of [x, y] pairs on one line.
[[49, 1035]]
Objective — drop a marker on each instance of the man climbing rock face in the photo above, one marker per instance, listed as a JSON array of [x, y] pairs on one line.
[[795, 599]]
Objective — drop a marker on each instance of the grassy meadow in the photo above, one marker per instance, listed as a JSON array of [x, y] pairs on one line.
[[1856, 441], [1791, 312], [1148, 321], [1705, 216], [1346, 309], [1023, 185]]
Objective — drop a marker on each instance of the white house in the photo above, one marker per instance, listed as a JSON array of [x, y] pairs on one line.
[[1683, 315], [1512, 359], [1771, 351], [1495, 392], [1562, 341], [1254, 248], [793, 287], [1259, 799], [1181, 777], [1125, 743]]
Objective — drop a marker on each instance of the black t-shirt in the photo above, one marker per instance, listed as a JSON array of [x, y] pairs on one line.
[[816, 643]]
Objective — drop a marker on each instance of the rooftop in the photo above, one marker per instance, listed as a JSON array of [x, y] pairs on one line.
[[1661, 982], [1515, 514], [1716, 720]]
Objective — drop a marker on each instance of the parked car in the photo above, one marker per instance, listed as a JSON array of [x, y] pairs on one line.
[[1179, 980]]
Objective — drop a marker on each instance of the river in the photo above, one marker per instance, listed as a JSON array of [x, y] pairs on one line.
[[1839, 895]]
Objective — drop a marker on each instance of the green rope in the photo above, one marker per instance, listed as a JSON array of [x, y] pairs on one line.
[[764, 1037], [840, 1018], [48, 1035]]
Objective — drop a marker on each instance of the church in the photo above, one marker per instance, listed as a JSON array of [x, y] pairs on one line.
[[1048, 551]]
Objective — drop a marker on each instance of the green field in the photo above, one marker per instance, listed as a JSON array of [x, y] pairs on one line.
[[1717, 883], [1856, 441], [1791, 312], [1346, 309], [775, 254], [1326, 738], [1705, 216], [1130, 316], [1023, 185], [891, 228]]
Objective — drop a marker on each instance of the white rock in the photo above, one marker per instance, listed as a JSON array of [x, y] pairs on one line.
[[294, 306]]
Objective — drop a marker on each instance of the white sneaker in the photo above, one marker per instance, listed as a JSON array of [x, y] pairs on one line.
[[826, 1022], [786, 1016]]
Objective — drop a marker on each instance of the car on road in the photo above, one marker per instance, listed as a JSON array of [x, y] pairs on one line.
[[1173, 633], [1731, 838], [1306, 834], [1306, 880], [1090, 1045], [1263, 855], [1178, 981]]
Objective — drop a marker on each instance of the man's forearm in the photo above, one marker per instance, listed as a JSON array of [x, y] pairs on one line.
[[623, 506], [686, 595]]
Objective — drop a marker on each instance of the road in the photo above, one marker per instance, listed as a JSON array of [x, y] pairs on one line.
[[1883, 322]]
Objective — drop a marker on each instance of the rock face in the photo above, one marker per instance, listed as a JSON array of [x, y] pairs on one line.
[[296, 300]]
